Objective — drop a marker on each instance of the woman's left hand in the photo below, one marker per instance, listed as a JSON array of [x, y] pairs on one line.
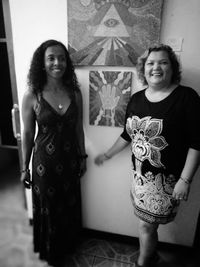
[[26, 179], [181, 190]]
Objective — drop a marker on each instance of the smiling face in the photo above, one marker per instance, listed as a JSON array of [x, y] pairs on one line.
[[158, 69], [55, 62]]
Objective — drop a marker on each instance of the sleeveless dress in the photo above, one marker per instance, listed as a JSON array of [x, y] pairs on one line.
[[160, 134], [56, 186]]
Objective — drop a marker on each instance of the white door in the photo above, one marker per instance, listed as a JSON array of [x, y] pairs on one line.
[[10, 130]]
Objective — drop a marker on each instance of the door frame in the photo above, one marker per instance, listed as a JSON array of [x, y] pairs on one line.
[[9, 44]]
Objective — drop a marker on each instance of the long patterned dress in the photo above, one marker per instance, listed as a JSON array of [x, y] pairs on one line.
[[160, 134], [56, 186]]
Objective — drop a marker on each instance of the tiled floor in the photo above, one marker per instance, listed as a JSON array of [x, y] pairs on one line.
[[16, 238]]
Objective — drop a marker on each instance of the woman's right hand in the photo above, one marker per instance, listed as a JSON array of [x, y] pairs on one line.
[[99, 160], [26, 179], [181, 190]]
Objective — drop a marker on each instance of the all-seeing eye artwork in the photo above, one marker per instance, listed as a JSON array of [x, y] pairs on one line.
[[111, 32], [109, 94]]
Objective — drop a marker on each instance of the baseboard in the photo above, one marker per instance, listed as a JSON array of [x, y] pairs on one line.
[[109, 236], [91, 233]]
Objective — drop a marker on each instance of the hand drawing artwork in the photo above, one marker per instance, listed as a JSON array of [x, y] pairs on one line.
[[109, 92], [112, 32]]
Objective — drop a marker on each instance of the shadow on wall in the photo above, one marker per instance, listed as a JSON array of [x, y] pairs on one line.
[[191, 79], [8, 156], [197, 235]]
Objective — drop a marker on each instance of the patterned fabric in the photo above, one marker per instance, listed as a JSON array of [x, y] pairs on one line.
[[56, 186], [150, 192], [160, 135]]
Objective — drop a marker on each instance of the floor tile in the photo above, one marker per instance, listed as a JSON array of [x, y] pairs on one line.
[[16, 248], [111, 250], [15, 231], [103, 262], [79, 260]]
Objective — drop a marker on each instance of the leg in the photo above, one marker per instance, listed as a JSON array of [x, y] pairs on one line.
[[148, 238]]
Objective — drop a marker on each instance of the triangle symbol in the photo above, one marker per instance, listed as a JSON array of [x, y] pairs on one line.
[[111, 25]]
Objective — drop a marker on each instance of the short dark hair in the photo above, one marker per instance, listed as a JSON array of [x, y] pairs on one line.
[[176, 72], [36, 75]]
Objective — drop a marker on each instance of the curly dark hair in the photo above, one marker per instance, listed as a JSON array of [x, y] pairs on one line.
[[36, 76], [176, 72]]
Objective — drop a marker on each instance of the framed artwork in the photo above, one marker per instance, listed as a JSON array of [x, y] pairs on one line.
[[112, 32], [109, 93]]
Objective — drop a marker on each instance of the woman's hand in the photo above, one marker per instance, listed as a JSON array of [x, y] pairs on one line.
[[181, 190], [99, 160], [26, 179]]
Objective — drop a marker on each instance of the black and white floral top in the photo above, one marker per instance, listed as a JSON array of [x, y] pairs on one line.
[[160, 134]]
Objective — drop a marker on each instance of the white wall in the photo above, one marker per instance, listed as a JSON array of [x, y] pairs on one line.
[[181, 20], [34, 21], [105, 190]]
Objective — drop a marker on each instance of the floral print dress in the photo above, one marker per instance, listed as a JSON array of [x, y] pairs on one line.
[[160, 134]]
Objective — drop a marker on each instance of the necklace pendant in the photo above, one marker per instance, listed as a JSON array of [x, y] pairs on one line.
[[60, 106]]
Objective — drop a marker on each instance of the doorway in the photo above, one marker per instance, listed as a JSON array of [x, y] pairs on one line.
[[10, 146]]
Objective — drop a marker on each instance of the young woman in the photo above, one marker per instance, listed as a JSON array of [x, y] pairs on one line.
[[163, 126], [53, 103]]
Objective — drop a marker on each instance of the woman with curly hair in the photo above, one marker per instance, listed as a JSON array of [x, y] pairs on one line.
[[163, 128], [53, 103]]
